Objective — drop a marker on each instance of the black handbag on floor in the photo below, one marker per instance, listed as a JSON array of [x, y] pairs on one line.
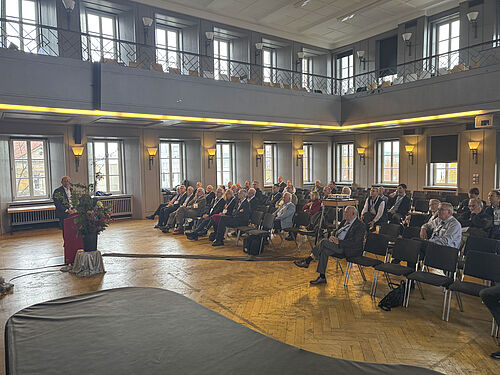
[[253, 244], [394, 298]]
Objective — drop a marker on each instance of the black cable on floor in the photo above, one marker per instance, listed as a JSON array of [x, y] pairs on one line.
[[206, 257], [30, 269], [32, 273]]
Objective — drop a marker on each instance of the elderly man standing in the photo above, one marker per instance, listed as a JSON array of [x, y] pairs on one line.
[[347, 241], [192, 210], [445, 229], [284, 215], [62, 200]]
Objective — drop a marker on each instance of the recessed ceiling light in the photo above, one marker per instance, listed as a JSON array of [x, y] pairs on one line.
[[301, 3], [346, 18]]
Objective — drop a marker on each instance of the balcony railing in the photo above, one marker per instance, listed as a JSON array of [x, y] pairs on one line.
[[49, 40]]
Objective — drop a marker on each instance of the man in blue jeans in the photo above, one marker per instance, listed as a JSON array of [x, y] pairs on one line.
[[491, 299]]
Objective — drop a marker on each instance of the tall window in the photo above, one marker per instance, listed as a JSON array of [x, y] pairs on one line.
[[22, 30], [307, 71], [269, 164], [447, 43], [171, 164], [388, 162], [221, 59], [101, 43], [29, 168], [167, 47], [345, 73], [105, 165], [225, 160], [269, 63], [307, 164], [444, 174], [345, 160]]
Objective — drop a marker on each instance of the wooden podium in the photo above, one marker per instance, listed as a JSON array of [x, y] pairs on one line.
[[72, 241]]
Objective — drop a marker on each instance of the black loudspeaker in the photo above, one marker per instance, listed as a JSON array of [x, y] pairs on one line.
[[77, 134]]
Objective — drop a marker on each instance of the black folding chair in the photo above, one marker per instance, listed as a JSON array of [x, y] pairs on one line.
[[480, 244], [480, 265], [266, 228], [255, 222], [301, 219], [439, 257], [405, 250], [390, 230], [421, 205], [411, 232], [376, 244]]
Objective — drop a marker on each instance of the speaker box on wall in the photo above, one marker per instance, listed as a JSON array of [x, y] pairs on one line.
[[77, 134]]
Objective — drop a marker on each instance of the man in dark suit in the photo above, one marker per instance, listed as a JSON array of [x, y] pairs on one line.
[[281, 184], [493, 211], [478, 222], [210, 195], [201, 226], [171, 207], [258, 192], [239, 217], [193, 210], [252, 200], [190, 196], [347, 241], [491, 299], [274, 197], [401, 205], [163, 205], [62, 201]]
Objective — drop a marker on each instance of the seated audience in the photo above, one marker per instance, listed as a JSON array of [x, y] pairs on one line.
[[491, 299], [401, 206], [463, 207], [374, 210], [477, 221], [284, 215], [314, 205], [235, 189], [229, 184], [289, 189], [258, 193], [446, 230], [210, 195], [347, 241], [493, 210], [171, 207], [201, 227], [332, 186], [317, 186], [281, 184], [252, 200], [239, 217], [274, 197], [325, 192], [289, 183], [431, 215], [195, 208], [247, 185], [384, 197], [199, 185], [190, 195], [162, 205], [346, 190]]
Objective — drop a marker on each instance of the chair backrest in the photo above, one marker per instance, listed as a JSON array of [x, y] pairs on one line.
[[301, 219], [417, 220], [390, 230], [442, 257], [256, 218], [482, 265], [411, 232], [421, 205], [376, 244], [453, 199], [481, 244], [406, 250], [268, 222]]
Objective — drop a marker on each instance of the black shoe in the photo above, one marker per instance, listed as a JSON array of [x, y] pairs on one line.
[[495, 355], [156, 226], [395, 261], [150, 217], [234, 234], [212, 236], [192, 237], [301, 263], [218, 243], [202, 234], [318, 281], [165, 229]]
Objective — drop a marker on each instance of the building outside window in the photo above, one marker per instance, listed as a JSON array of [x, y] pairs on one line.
[[221, 59], [269, 63], [345, 72], [307, 164], [22, 29], [307, 71], [388, 162], [171, 164], [29, 166], [446, 42], [105, 165], [167, 47], [102, 40], [225, 163], [444, 174], [345, 162], [269, 164]]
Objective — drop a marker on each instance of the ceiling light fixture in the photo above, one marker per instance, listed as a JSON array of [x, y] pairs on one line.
[[301, 3], [346, 18]]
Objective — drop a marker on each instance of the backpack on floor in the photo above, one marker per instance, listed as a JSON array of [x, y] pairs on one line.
[[394, 298], [254, 243]]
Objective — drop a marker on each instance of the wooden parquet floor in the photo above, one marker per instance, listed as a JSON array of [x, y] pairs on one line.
[[271, 297]]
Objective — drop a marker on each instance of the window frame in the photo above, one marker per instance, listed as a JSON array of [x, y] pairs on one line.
[[274, 170], [181, 161], [100, 35], [339, 156], [218, 59], [307, 163], [271, 67], [434, 45], [380, 161], [13, 176], [166, 48], [20, 21], [91, 158], [218, 157], [350, 72], [307, 72], [433, 171]]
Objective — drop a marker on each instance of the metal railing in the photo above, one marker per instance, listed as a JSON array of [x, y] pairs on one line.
[[50, 40]]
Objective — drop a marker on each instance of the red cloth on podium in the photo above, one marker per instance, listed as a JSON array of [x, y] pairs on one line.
[[72, 241]]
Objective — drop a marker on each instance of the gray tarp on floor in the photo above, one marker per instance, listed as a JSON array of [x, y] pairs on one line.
[[155, 331]]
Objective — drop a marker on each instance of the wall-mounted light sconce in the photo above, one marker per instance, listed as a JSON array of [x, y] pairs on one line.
[[409, 149], [258, 50], [210, 36], [211, 156], [152, 153], [362, 154], [361, 57], [472, 17], [259, 156], [301, 55], [147, 22], [77, 152], [407, 39], [300, 155], [473, 146], [69, 5]]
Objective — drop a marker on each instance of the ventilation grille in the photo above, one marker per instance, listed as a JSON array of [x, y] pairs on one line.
[[33, 217], [119, 206]]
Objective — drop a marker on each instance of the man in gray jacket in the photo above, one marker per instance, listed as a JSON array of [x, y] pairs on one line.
[[285, 213], [445, 229], [193, 209]]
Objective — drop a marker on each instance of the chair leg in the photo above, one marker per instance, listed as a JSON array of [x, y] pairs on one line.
[[238, 237], [362, 273], [459, 300], [494, 328], [420, 289], [374, 283], [282, 240], [406, 298], [339, 265], [347, 273], [449, 305]]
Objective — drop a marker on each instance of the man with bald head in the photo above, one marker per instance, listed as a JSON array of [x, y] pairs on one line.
[[347, 242], [62, 200]]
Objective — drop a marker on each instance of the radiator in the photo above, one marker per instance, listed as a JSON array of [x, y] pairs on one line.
[[120, 206], [33, 217]]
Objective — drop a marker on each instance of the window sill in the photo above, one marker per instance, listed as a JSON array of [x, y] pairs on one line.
[[20, 202], [440, 187]]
